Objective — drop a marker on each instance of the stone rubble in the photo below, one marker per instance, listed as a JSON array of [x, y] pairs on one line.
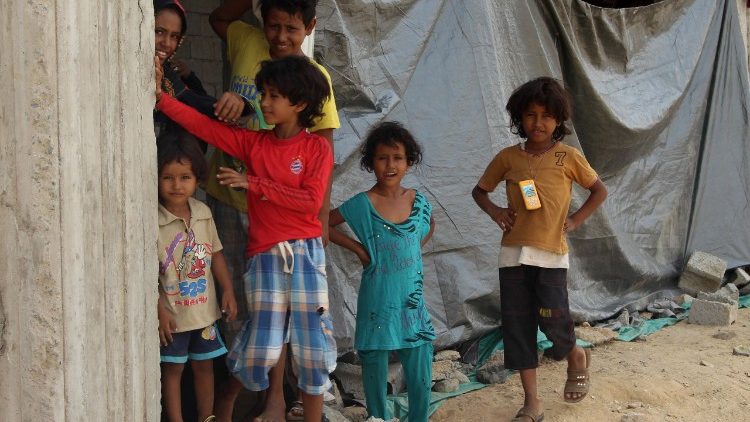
[[703, 273], [716, 308]]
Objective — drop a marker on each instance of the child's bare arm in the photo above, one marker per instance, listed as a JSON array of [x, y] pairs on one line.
[[335, 218], [504, 217], [326, 206], [221, 275], [227, 13], [596, 197], [167, 324], [429, 234]]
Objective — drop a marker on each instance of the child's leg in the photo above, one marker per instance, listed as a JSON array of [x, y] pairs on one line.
[[417, 364], [375, 381], [203, 373], [518, 308], [310, 328], [259, 344], [171, 374], [275, 406], [555, 320], [313, 406], [226, 398]]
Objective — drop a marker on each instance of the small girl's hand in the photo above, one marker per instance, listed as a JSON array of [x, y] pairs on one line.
[[158, 76], [504, 217], [167, 325], [232, 178], [229, 305]]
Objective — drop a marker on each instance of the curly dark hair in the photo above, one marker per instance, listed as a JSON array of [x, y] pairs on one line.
[[175, 144], [547, 92], [306, 8], [391, 134], [300, 81]]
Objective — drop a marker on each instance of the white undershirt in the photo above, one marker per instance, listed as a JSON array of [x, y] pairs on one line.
[[513, 256]]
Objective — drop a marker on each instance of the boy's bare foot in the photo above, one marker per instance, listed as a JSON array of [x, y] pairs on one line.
[[275, 411], [578, 379]]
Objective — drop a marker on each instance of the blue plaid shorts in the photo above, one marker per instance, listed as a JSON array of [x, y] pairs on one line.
[[287, 295]]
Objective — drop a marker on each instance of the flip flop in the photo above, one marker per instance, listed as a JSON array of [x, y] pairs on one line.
[[296, 413], [526, 412], [578, 381]]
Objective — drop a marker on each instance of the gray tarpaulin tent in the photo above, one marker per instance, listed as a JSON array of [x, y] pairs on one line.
[[660, 110]]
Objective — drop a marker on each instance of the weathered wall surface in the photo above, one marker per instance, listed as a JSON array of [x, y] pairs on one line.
[[78, 330], [202, 49]]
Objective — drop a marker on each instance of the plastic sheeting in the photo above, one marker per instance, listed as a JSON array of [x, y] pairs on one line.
[[660, 99]]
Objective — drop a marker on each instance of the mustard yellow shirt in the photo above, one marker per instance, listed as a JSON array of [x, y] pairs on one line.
[[246, 49], [553, 173]]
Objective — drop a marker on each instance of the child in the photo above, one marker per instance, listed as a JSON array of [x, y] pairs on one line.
[[286, 24], [287, 176], [189, 253], [391, 223], [534, 253], [170, 25]]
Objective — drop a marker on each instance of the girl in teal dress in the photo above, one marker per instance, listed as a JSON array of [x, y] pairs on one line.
[[391, 224]]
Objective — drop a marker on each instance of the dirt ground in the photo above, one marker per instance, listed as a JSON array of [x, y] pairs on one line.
[[681, 373]]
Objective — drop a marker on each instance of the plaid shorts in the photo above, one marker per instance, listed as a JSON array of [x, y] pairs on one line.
[[287, 293], [529, 297]]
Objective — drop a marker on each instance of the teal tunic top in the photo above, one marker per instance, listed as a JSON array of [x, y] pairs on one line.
[[391, 313]]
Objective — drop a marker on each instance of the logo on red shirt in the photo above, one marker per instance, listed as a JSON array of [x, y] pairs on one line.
[[296, 166]]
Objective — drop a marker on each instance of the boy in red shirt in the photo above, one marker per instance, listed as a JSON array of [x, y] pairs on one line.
[[287, 176]]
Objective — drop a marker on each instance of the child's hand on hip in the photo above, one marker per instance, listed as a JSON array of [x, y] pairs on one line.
[[504, 217], [232, 178], [570, 225], [364, 258]]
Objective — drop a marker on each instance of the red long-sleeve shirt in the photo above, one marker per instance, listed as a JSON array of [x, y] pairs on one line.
[[287, 177]]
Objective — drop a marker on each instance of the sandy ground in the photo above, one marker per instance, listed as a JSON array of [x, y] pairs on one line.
[[681, 373]]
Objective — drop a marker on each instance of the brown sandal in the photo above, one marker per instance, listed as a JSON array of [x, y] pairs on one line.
[[526, 412], [578, 381]]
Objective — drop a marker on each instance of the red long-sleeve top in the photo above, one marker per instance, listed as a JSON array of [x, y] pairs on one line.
[[287, 177]]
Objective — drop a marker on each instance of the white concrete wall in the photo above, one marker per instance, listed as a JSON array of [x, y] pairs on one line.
[[77, 212]]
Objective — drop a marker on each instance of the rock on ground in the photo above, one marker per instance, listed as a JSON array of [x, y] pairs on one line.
[[355, 413], [446, 386], [703, 273], [595, 335], [447, 355]]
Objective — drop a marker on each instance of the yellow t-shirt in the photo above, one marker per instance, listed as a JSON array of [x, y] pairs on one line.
[[246, 49], [185, 255], [553, 173]]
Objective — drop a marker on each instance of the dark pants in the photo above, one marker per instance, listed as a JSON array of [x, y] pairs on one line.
[[530, 297]]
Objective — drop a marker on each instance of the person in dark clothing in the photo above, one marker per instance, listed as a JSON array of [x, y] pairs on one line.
[[170, 25]]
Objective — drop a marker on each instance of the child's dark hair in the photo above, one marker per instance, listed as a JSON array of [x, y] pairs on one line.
[[174, 5], [300, 81], [174, 144], [546, 92], [389, 133], [306, 8]]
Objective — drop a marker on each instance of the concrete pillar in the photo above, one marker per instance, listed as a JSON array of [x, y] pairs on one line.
[[78, 326]]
